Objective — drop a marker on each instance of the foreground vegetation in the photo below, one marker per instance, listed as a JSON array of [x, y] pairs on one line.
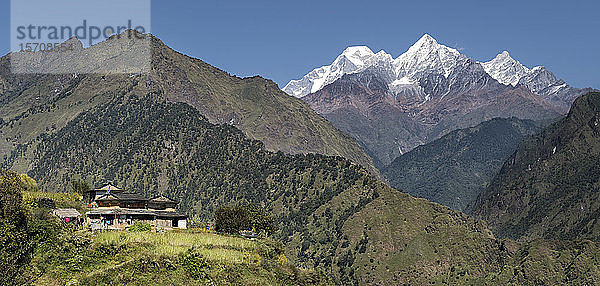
[[36, 248], [171, 258], [383, 242]]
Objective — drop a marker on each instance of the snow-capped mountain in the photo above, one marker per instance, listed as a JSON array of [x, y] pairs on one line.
[[426, 69], [352, 60], [505, 69], [393, 105], [426, 56], [538, 80]]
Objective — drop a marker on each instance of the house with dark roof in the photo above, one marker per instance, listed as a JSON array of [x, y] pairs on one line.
[[117, 209]]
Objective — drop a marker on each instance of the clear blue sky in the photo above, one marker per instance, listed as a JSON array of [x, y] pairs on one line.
[[283, 40]]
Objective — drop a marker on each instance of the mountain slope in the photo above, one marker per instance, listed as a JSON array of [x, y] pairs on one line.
[[32, 105], [153, 146], [360, 105], [386, 126], [453, 170], [550, 186]]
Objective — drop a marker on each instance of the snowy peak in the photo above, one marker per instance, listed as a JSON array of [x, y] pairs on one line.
[[505, 69], [357, 53], [427, 44], [352, 60], [428, 68], [426, 55], [539, 79]]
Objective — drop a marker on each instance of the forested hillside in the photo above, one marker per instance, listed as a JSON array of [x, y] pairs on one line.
[[453, 170], [550, 187], [35, 104]]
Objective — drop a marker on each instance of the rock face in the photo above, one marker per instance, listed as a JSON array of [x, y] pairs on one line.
[[550, 187], [426, 92], [361, 105]]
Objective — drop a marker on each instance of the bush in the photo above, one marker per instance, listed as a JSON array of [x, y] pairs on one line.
[[140, 226], [232, 219], [194, 264], [260, 220]]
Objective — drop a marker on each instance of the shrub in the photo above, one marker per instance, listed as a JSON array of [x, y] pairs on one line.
[[15, 241], [140, 226], [232, 219], [194, 264]]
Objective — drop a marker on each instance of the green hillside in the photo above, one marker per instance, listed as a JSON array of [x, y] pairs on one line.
[[32, 105], [550, 187], [453, 170], [182, 258], [38, 249], [153, 146]]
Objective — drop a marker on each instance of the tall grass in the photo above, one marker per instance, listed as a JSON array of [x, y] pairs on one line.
[[216, 247]]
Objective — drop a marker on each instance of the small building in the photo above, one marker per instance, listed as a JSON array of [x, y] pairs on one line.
[[67, 215], [116, 209]]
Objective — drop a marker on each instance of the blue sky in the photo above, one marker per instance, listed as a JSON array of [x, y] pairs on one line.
[[283, 40]]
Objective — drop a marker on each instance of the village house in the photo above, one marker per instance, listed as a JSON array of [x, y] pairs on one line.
[[68, 216], [116, 209]]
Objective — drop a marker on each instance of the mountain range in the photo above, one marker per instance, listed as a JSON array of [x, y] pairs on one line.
[[192, 132], [425, 57], [425, 93]]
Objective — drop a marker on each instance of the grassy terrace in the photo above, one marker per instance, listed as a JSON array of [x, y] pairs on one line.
[[217, 248], [171, 258]]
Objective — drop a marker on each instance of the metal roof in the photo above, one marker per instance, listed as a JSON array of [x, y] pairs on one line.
[[108, 187], [64, 213], [121, 197]]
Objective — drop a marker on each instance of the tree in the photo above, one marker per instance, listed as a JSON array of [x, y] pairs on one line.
[[260, 220], [15, 244], [80, 187], [233, 218]]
